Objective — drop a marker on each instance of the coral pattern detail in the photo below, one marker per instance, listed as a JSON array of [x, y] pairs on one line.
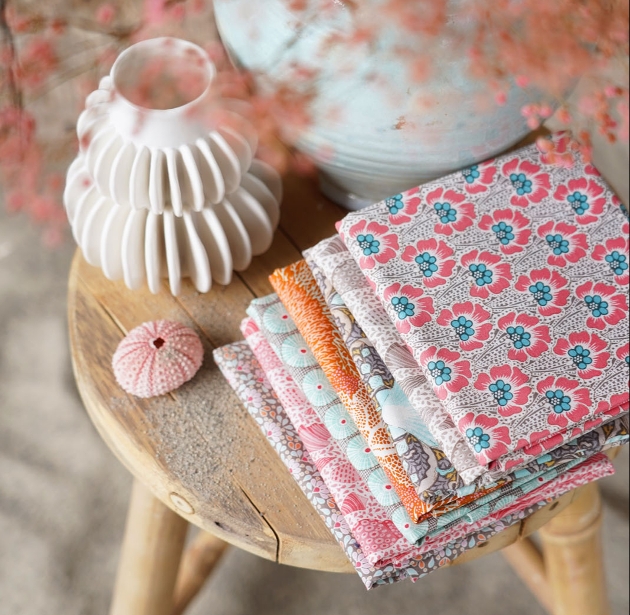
[[528, 336], [586, 197], [470, 322], [453, 211], [489, 274], [615, 254], [606, 305], [510, 227], [157, 357], [529, 183], [547, 288], [434, 260], [507, 387], [403, 207], [375, 243], [586, 351], [564, 242], [479, 177]]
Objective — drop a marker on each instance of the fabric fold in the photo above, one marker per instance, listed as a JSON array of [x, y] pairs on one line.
[[421, 455], [246, 377], [302, 298]]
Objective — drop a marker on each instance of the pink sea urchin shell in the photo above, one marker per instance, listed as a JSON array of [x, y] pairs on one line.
[[157, 357]]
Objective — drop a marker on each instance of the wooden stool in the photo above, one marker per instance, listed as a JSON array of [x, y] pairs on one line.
[[198, 458]]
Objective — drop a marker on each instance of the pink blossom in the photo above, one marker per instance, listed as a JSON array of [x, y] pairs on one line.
[[471, 323], [607, 307], [530, 183], [489, 274], [568, 402], [453, 211], [586, 197], [511, 228], [507, 385], [407, 306], [622, 354], [548, 288], [485, 437], [586, 351], [480, 177], [567, 245], [402, 207], [529, 337], [434, 261], [447, 372], [376, 243], [615, 253]]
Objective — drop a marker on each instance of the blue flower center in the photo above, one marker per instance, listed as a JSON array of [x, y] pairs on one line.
[[618, 262], [464, 328], [558, 244], [403, 307], [520, 338], [478, 439], [560, 402], [628, 360], [481, 274], [502, 392], [471, 175], [395, 204], [368, 244], [542, 293], [504, 232], [597, 305], [427, 263], [579, 202], [445, 212], [521, 184], [440, 372], [581, 356]]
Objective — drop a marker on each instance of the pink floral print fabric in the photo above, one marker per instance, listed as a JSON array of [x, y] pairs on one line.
[[539, 254]]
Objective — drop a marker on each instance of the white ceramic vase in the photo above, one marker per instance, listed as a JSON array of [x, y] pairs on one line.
[[140, 245], [152, 158], [156, 193]]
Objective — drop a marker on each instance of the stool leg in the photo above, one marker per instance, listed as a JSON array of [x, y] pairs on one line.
[[572, 550], [199, 560], [149, 561]]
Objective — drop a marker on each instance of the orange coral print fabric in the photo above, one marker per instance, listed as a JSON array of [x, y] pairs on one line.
[[302, 298]]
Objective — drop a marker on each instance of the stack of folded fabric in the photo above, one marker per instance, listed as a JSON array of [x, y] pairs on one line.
[[452, 361]]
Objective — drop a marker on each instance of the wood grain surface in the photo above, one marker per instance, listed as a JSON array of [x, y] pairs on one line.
[[197, 449]]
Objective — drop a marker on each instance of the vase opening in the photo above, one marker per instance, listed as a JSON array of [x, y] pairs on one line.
[[162, 74]]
